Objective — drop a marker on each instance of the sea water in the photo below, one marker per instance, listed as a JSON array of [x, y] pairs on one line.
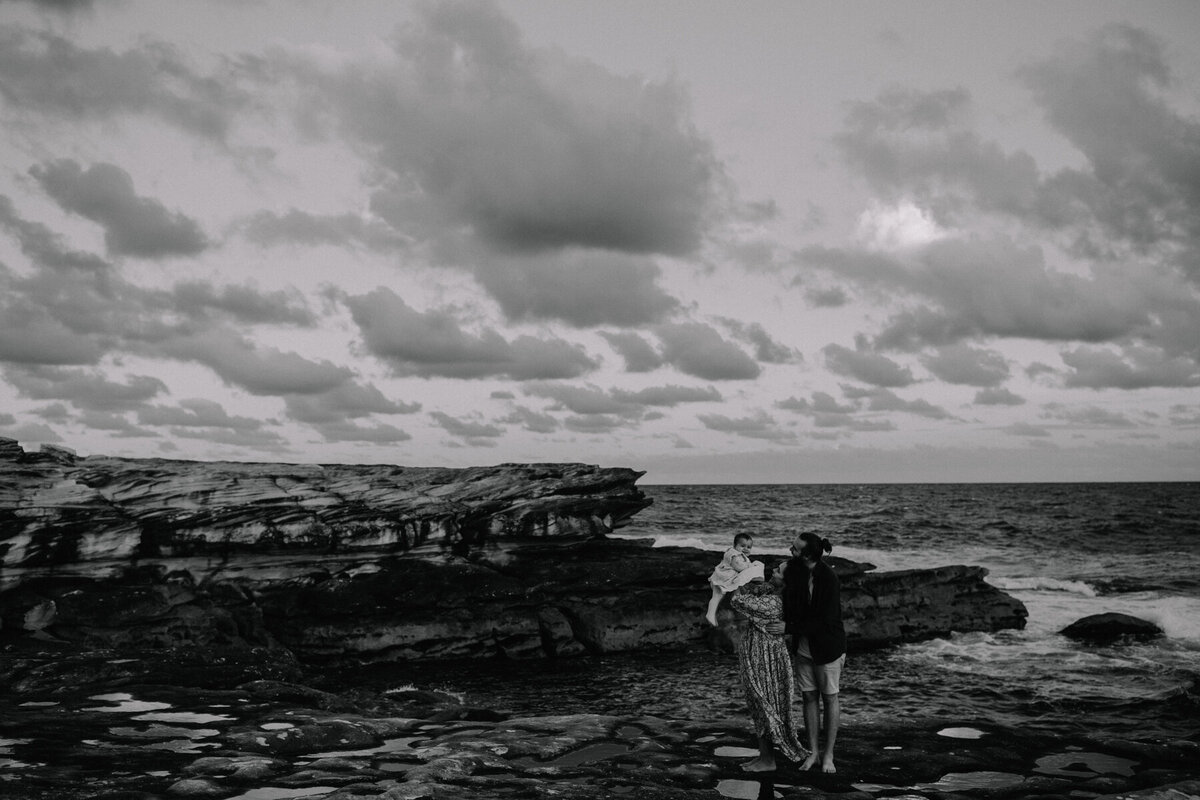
[[1065, 550]]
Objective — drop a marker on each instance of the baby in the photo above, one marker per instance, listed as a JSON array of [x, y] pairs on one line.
[[736, 569]]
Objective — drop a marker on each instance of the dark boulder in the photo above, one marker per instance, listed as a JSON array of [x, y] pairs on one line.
[[1108, 628]]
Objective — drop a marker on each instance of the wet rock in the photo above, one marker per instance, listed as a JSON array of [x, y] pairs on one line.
[[1110, 627]]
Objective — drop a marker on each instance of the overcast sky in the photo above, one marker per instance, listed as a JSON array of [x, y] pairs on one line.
[[717, 241]]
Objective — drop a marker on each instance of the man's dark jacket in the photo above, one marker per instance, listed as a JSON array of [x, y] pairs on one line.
[[819, 618]]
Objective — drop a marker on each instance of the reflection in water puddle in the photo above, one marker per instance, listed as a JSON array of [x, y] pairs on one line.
[[125, 704], [163, 732], [1084, 765], [274, 793], [961, 781], [747, 790], [38, 704], [735, 752], [961, 733], [184, 716], [584, 755], [389, 746]]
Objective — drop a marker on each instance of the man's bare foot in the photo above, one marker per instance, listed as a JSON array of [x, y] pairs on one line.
[[809, 762], [758, 765], [827, 765]]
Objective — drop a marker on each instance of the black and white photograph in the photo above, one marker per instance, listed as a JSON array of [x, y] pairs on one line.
[[589, 399]]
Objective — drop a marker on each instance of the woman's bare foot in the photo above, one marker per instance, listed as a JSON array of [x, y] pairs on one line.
[[827, 765], [758, 765], [809, 762]]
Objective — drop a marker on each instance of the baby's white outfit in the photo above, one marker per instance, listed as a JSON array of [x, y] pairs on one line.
[[728, 577]]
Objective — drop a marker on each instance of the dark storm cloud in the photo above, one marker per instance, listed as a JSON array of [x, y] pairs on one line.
[[699, 350], [83, 388], [1133, 368], [583, 288], [962, 364], [348, 400], [133, 225], [44, 73], [196, 413], [868, 367], [433, 344], [529, 148], [639, 354]]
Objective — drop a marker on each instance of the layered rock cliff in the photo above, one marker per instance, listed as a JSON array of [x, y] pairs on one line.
[[319, 563]]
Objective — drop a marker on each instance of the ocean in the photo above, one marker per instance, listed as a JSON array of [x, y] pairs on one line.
[[1066, 550]]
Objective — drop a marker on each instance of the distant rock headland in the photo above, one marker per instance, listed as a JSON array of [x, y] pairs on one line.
[[266, 567]]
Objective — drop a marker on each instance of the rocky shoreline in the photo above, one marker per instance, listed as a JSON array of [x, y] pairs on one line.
[[169, 629], [275, 739]]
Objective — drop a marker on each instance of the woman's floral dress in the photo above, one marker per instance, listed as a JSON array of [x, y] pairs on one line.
[[765, 667]]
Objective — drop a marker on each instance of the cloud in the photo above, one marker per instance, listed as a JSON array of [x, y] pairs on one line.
[[260, 370], [961, 364], [346, 431], [43, 246], [699, 350], [530, 149], [133, 225], [1134, 368], [580, 400], [872, 368], [347, 400], [1108, 96], [758, 426], [432, 344], [828, 297], [45, 73], [669, 395], [82, 388], [196, 413], [879, 399], [531, 420], [826, 412], [1088, 416], [766, 349], [639, 355], [997, 396], [473, 433], [29, 335], [295, 227], [1026, 429], [114, 423], [246, 304], [583, 288]]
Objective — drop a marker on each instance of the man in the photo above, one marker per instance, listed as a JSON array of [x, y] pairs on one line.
[[812, 608]]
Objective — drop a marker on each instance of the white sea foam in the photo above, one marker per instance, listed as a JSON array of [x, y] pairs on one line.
[[1043, 584]]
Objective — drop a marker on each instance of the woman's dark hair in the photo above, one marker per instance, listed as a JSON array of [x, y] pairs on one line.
[[814, 546]]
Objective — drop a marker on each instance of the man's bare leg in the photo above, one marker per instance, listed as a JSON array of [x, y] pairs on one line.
[[812, 727], [766, 757], [833, 716]]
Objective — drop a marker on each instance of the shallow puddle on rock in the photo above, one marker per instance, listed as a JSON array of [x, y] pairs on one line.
[[584, 755], [735, 752], [184, 716], [961, 733], [963, 781], [163, 732], [389, 746], [746, 790], [275, 793], [125, 704], [39, 704], [1082, 764]]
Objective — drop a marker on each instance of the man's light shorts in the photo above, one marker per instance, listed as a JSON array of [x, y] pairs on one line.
[[826, 678]]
